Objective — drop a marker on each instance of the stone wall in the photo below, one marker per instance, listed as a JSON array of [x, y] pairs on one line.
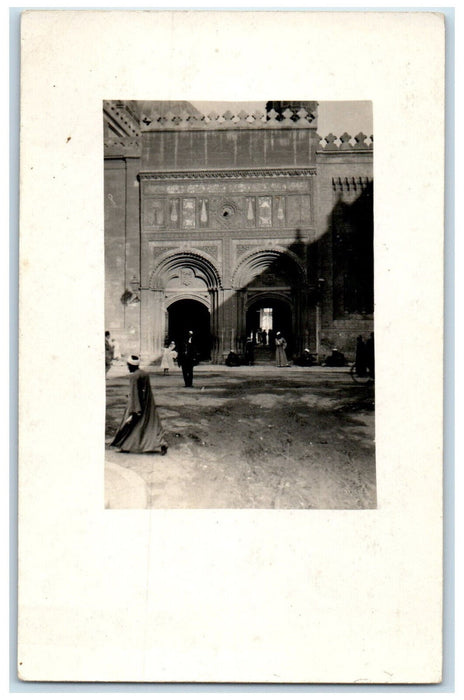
[[122, 252], [344, 176], [187, 150], [225, 203], [235, 225]]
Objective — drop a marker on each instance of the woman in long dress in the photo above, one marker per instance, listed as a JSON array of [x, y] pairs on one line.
[[109, 351], [140, 429], [281, 345], [169, 355]]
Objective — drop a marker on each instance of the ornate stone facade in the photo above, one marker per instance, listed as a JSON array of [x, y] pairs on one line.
[[213, 219]]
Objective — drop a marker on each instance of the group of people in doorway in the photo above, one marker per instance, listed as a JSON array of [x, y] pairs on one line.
[[263, 337], [279, 344]]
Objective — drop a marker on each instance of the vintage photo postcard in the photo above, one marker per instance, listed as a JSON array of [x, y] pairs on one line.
[[243, 482], [239, 300]]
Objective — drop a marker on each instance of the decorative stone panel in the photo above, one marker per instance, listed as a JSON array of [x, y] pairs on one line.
[[242, 248], [158, 251], [211, 250], [232, 212]]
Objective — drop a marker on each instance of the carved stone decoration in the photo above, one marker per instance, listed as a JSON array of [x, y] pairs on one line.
[[270, 279], [280, 213], [122, 147], [188, 212], [265, 211], [154, 117], [243, 248], [226, 212], [154, 213], [168, 266], [215, 188], [345, 142], [211, 250], [159, 213], [236, 174], [250, 208], [174, 211], [350, 184], [253, 267], [203, 212], [360, 140], [159, 251], [331, 143], [187, 277]]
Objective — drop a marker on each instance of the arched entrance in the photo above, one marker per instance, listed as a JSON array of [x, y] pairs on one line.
[[270, 315], [188, 314], [271, 286], [183, 293]]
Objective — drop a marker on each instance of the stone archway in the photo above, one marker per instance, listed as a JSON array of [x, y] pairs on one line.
[[180, 275], [268, 267], [190, 314], [278, 316], [275, 279]]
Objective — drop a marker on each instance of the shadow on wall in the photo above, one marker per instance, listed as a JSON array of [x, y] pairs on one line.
[[318, 294], [352, 235]]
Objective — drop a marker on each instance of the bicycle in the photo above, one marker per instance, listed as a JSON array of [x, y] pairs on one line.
[[360, 378]]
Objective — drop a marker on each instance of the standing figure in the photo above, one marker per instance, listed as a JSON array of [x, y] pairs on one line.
[[370, 355], [140, 429], [250, 351], [186, 359], [169, 355], [271, 340], [109, 351], [361, 356], [264, 337], [281, 345]]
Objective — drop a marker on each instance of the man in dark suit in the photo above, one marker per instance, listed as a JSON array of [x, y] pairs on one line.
[[187, 357]]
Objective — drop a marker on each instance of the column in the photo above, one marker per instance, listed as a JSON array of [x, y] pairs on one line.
[[152, 324], [226, 321]]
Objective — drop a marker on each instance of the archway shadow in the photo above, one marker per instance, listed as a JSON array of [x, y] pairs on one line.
[[307, 286]]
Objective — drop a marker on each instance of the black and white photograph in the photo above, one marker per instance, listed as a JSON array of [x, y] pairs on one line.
[[230, 420], [239, 305]]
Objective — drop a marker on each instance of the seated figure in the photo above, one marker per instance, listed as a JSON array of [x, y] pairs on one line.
[[305, 359], [232, 359], [336, 359]]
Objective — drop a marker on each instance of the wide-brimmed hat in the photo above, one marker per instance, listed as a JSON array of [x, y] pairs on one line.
[[133, 360]]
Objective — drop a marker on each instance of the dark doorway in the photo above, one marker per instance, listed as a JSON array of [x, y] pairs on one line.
[[269, 315], [189, 315]]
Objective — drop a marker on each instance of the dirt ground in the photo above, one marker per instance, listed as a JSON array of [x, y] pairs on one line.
[[251, 437]]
